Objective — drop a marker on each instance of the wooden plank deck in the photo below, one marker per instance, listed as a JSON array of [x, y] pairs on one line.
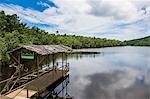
[[21, 94], [4, 97], [37, 85], [46, 80]]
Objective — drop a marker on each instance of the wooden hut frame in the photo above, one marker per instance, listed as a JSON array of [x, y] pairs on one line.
[[40, 54]]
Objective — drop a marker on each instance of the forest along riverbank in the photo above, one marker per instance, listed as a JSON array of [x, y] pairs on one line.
[[85, 51]]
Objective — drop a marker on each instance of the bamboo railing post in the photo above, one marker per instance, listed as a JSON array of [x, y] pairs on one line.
[[27, 93]]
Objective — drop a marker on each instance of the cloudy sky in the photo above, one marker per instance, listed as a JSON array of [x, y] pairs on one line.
[[119, 19]]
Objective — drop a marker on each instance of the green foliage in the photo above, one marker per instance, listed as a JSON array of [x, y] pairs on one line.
[[13, 33], [139, 42], [3, 49]]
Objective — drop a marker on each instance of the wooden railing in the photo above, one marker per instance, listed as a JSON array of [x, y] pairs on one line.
[[63, 66]]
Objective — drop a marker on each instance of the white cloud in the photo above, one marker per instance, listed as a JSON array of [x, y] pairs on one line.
[[51, 11], [90, 17], [120, 9], [25, 14], [43, 4]]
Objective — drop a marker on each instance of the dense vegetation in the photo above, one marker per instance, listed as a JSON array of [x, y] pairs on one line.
[[139, 42], [13, 33]]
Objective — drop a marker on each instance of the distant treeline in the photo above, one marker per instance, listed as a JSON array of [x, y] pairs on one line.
[[13, 33], [139, 42]]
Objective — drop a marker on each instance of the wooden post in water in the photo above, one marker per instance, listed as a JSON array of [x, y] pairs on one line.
[[62, 76], [62, 63], [66, 81], [48, 61], [66, 61], [53, 59]]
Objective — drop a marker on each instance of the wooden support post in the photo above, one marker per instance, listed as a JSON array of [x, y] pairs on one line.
[[19, 65], [48, 62], [53, 58], [62, 64], [19, 71], [66, 61], [66, 58], [27, 93], [37, 64], [66, 81], [68, 78], [63, 90]]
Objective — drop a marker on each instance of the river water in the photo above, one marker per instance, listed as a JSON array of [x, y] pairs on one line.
[[115, 73]]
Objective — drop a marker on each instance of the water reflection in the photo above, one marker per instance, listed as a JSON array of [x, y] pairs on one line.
[[116, 85], [118, 73], [80, 56]]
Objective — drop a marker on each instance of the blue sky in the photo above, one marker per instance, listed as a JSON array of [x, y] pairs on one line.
[[119, 19], [31, 4]]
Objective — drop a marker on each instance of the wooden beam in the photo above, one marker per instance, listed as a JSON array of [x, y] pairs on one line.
[[41, 60], [8, 79], [13, 84], [15, 58]]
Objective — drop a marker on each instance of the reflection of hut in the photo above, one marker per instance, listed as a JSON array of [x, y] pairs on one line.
[[30, 75]]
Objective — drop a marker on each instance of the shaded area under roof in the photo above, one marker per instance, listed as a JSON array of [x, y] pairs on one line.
[[45, 49]]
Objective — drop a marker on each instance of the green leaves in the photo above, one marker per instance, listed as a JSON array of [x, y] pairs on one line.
[[139, 42], [3, 49]]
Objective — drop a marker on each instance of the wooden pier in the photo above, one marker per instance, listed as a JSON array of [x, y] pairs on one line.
[[38, 85], [37, 82]]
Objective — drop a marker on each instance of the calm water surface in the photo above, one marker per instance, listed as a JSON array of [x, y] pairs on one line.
[[116, 73]]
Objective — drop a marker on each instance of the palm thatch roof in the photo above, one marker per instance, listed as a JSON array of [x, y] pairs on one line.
[[44, 49]]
